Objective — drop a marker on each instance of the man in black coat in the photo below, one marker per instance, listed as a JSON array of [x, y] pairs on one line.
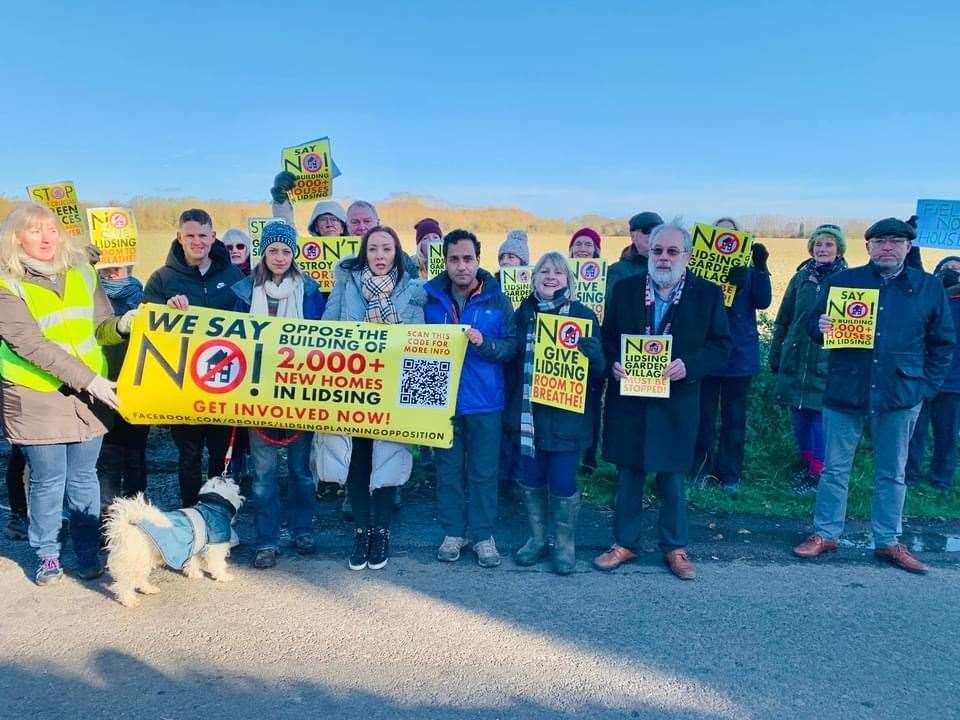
[[886, 385], [657, 435], [198, 273]]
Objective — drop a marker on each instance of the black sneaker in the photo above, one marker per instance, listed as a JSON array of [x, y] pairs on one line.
[[361, 549], [379, 548], [265, 559], [90, 572]]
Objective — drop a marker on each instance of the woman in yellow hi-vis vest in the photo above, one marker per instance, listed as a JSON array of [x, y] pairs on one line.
[[56, 402]]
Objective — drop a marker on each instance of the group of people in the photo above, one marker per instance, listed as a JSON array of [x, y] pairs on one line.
[[63, 328]]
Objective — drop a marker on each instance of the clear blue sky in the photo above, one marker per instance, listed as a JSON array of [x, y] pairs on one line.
[[845, 108]]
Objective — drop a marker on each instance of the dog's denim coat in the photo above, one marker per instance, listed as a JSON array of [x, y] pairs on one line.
[[190, 531]]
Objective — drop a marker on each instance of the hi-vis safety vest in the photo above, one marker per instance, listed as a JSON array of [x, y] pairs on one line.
[[67, 322]]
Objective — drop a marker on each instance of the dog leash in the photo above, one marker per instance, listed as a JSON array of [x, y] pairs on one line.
[[284, 442], [229, 456]]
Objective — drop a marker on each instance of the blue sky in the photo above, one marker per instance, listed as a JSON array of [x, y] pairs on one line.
[[702, 108]]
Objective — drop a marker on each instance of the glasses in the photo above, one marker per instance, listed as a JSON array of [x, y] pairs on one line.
[[236, 246], [897, 241], [671, 252]]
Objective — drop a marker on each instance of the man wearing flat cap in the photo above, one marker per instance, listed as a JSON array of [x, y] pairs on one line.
[[633, 259], [884, 386]]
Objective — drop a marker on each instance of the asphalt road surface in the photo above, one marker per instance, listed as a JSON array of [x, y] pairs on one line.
[[757, 635]]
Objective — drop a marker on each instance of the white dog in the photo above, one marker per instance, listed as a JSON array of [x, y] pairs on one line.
[[140, 537]]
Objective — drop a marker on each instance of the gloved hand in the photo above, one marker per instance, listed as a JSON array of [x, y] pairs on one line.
[[126, 322], [759, 255], [282, 184], [591, 347], [103, 390], [93, 253], [738, 276]]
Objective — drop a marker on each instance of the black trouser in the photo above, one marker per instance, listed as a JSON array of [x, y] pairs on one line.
[[125, 447], [628, 513], [190, 441], [370, 508], [943, 413], [726, 461], [596, 392], [17, 480]]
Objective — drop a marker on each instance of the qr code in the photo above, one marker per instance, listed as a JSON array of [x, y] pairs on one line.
[[424, 383]]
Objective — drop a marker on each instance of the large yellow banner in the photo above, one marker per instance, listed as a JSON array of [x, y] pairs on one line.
[[201, 366], [311, 165], [61, 197], [515, 283], [591, 283], [854, 315], [113, 231], [559, 368], [717, 250]]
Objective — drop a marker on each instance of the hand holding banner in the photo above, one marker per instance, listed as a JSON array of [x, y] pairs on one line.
[[559, 368], [311, 165], [715, 252], [645, 359], [854, 315]]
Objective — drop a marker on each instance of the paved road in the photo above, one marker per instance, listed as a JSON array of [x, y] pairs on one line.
[[756, 636]]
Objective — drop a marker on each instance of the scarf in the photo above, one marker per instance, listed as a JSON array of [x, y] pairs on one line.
[[650, 303], [41, 267], [560, 304], [289, 293], [125, 294], [821, 271], [377, 291]]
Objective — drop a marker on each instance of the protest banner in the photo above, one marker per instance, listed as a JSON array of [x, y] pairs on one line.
[[559, 368], [591, 277], [645, 359], [436, 262], [717, 250], [61, 198], [515, 283], [203, 366], [310, 164], [255, 226], [319, 255], [938, 224], [854, 315], [113, 231]]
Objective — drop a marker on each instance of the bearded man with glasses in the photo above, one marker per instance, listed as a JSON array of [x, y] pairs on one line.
[[657, 435], [884, 385]]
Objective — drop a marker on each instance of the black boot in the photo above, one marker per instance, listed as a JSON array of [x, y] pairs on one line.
[[563, 512], [535, 501]]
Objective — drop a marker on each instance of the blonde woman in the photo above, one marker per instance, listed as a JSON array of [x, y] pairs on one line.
[[54, 316]]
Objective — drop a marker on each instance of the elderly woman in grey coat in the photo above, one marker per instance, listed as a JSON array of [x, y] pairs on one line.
[[375, 286]]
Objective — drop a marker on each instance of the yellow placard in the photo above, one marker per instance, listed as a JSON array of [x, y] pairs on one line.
[[436, 262], [591, 276], [854, 315], [255, 226], [61, 197], [114, 232], [311, 164], [202, 366], [515, 283], [319, 255], [717, 250], [559, 368], [645, 359]]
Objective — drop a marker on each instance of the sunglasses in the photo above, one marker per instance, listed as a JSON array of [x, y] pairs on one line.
[[672, 252], [237, 246]]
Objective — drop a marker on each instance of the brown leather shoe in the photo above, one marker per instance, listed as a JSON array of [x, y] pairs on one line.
[[613, 558], [680, 565], [899, 555], [813, 546]]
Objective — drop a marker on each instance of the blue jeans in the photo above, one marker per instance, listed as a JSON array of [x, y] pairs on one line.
[[891, 439], [266, 491], [556, 470], [57, 470]]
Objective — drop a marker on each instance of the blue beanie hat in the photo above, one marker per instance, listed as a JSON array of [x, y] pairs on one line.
[[279, 232]]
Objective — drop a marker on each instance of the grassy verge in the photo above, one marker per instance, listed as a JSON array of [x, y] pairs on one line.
[[771, 461]]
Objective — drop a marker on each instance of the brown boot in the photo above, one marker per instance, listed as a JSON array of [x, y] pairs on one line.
[[613, 558], [813, 546], [899, 555], [679, 563]]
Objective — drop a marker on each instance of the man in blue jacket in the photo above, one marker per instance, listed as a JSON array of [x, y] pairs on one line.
[[467, 472], [913, 346]]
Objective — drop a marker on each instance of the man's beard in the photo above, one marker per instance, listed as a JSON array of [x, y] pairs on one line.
[[666, 278]]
